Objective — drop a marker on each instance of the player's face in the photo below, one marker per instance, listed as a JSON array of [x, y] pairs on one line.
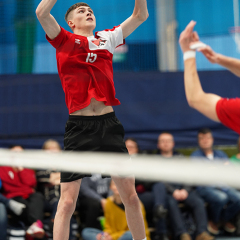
[[83, 17], [165, 142], [205, 141]]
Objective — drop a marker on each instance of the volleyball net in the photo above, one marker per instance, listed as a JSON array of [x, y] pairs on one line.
[[195, 171]]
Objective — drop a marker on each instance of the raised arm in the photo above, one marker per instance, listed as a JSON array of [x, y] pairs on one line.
[[48, 22], [140, 14], [196, 97], [232, 64]]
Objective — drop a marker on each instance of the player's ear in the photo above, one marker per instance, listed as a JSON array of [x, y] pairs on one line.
[[70, 24]]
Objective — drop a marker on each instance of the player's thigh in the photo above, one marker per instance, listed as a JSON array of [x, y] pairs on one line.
[[206, 105]]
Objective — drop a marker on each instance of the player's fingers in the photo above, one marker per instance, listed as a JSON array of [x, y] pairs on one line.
[[195, 36], [205, 49], [189, 27], [202, 49]]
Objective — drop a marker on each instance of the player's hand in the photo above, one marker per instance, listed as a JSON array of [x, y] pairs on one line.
[[187, 37], [209, 54]]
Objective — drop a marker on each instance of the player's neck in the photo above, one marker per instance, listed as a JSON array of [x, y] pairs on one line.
[[83, 32]]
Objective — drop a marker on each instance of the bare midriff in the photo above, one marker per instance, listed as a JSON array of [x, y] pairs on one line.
[[95, 108]]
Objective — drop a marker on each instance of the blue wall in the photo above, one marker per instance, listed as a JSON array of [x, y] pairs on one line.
[[214, 17], [32, 107]]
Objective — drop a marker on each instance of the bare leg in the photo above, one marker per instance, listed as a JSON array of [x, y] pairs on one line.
[[66, 207], [126, 189], [205, 103]]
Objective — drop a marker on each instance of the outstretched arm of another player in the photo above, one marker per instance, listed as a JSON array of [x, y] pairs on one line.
[[231, 64], [196, 97], [48, 22], [140, 14]]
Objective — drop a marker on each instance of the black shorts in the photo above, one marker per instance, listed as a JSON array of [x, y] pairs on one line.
[[103, 133]]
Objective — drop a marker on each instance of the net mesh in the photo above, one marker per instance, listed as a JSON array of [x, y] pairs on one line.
[[146, 167]]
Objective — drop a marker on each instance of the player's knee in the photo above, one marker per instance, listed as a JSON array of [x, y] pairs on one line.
[[66, 206]]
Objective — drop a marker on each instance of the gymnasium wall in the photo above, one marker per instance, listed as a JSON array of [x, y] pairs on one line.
[[32, 107], [24, 49]]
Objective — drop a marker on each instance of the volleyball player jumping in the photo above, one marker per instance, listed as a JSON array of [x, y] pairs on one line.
[[85, 69], [224, 110]]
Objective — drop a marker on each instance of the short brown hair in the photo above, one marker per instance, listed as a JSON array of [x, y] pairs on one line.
[[74, 6]]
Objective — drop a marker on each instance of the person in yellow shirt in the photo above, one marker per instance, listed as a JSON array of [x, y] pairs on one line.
[[116, 227]]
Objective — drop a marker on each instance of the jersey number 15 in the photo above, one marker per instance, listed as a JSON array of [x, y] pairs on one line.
[[91, 57]]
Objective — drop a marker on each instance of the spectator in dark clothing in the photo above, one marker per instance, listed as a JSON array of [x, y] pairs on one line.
[[178, 193], [92, 199], [166, 145], [49, 183], [185, 194], [19, 184], [224, 202]]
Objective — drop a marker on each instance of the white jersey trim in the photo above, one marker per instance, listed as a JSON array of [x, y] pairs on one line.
[[109, 40]]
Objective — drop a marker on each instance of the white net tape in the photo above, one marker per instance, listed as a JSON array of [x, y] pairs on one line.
[[147, 167]]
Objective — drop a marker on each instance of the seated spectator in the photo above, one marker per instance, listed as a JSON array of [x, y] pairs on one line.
[[132, 146], [18, 184], [166, 145], [49, 183], [153, 196], [92, 200], [115, 221], [224, 202], [12, 205], [185, 194], [236, 158], [179, 193]]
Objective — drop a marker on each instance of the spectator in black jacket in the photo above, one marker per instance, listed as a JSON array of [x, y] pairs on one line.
[[166, 145], [178, 193], [185, 194]]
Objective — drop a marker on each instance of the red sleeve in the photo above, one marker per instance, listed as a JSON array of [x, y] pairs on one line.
[[228, 111], [61, 38], [28, 177]]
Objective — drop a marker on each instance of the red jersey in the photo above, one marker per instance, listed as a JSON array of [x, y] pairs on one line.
[[17, 184], [228, 111], [85, 66]]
